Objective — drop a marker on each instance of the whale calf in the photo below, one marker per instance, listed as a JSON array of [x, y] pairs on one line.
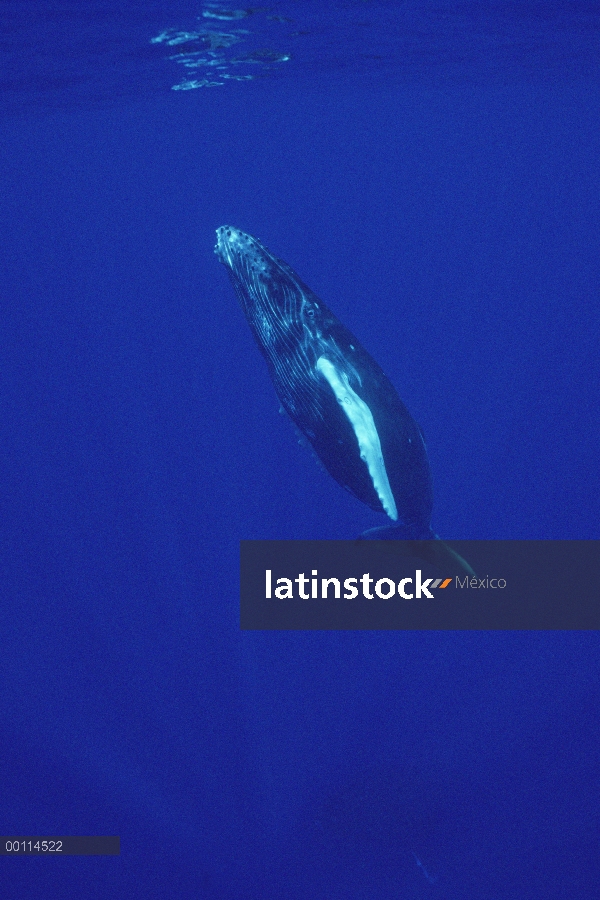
[[332, 389]]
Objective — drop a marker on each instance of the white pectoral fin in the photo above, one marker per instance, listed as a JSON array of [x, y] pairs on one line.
[[361, 419]]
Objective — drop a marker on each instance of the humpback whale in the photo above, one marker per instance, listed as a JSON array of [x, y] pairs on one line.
[[332, 389]]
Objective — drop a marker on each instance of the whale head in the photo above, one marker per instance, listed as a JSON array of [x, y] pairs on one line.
[[279, 308]]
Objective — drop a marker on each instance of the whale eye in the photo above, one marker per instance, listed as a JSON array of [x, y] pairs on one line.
[[310, 313]]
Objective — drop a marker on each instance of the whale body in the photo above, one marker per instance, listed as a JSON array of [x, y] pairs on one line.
[[332, 389]]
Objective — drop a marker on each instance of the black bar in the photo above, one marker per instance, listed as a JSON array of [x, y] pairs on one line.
[[491, 585], [69, 845]]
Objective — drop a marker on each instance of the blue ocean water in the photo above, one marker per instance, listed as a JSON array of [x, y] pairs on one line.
[[430, 169]]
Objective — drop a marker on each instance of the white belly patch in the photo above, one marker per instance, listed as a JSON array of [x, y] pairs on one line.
[[360, 417]]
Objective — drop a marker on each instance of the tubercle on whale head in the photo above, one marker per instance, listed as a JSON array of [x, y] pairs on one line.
[[235, 247], [226, 236]]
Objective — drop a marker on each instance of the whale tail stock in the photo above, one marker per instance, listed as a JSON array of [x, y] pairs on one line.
[[429, 547]]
